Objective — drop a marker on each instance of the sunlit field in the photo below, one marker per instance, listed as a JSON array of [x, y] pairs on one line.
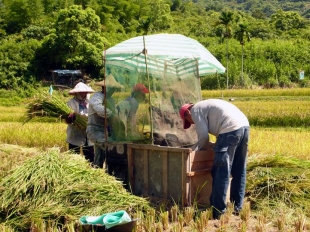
[[278, 164], [257, 93], [42, 135], [286, 140]]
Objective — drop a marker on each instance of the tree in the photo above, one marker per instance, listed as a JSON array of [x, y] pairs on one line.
[[77, 42], [17, 16], [160, 17], [241, 34], [37, 10], [285, 21], [16, 54], [226, 19]]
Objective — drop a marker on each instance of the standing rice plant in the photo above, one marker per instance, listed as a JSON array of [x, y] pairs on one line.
[[281, 220], [181, 220], [245, 93], [159, 227], [275, 113], [245, 212], [174, 213], [287, 141], [42, 135], [202, 219], [164, 216], [300, 223], [149, 220], [188, 215], [242, 227]]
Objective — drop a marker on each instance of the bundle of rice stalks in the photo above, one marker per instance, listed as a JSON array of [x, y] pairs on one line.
[[279, 178], [46, 105], [59, 188], [12, 156]]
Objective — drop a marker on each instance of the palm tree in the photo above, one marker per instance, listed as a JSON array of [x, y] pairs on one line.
[[226, 19], [241, 34]]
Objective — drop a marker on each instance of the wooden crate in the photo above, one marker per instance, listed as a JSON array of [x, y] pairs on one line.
[[171, 175]]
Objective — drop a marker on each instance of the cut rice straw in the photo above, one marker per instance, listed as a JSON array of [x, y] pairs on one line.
[[46, 105], [54, 186]]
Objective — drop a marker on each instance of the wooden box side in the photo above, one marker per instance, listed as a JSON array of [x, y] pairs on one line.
[[159, 173], [201, 163], [200, 176]]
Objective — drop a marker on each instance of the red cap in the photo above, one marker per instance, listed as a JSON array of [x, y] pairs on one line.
[[182, 111], [140, 88]]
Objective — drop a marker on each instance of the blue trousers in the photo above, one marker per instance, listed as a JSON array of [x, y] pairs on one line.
[[229, 162]]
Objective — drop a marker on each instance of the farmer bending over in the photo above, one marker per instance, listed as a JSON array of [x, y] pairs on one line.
[[231, 128]]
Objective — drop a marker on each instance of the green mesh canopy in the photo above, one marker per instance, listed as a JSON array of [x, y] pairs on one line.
[[158, 73]]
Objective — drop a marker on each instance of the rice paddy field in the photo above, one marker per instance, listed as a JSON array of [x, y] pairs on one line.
[[278, 181]]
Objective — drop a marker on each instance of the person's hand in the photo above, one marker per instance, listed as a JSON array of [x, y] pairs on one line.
[[70, 118]]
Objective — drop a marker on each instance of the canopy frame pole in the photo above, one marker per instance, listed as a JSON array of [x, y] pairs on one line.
[[199, 79], [149, 86], [105, 96]]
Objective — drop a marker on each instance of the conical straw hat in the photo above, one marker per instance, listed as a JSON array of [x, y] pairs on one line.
[[110, 82], [81, 88]]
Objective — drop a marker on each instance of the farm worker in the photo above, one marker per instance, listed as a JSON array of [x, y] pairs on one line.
[[76, 136], [127, 108], [231, 128], [101, 113]]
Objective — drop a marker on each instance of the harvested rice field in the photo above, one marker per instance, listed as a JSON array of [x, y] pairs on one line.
[[45, 188]]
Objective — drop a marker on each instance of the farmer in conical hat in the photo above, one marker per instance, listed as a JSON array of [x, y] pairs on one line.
[[100, 115], [76, 136]]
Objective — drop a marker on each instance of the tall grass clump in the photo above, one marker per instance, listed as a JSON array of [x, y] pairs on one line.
[[278, 178]]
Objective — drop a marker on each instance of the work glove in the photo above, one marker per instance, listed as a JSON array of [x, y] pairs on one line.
[[70, 118]]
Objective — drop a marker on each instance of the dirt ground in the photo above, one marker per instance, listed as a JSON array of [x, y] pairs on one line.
[[234, 223]]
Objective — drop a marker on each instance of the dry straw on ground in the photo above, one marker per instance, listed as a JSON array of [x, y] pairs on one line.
[[51, 189], [59, 188]]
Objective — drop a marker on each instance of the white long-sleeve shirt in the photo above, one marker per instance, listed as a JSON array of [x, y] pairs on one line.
[[216, 117], [97, 112], [75, 135]]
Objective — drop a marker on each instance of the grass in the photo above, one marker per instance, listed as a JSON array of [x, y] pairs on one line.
[[265, 140], [257, 93]]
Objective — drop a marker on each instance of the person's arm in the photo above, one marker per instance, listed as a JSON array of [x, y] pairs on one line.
[[70, 118], [202, 131], [131, 120], [98, 106]]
